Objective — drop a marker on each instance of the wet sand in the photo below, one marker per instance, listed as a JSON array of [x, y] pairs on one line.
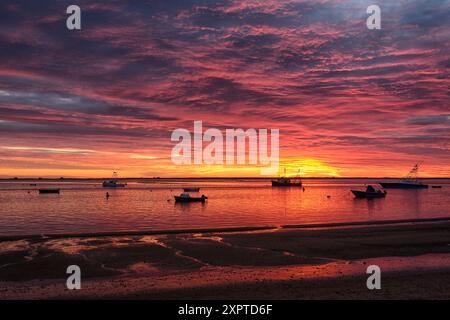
[[283, 263]]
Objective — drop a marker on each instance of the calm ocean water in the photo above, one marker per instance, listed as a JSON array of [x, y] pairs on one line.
[[82, 205]]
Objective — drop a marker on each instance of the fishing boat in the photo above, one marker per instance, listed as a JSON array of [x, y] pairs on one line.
[[49, 191], [186, 197], [287, 182], [113, 183], [409, 182], [370, 193], [191, 189]]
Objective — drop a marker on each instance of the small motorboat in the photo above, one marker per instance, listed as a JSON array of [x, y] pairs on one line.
[[191, 189], [49, 191], [186, 197], [370, 193], [113, 183]]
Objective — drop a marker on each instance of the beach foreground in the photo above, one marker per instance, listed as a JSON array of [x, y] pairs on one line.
[[282, 263]]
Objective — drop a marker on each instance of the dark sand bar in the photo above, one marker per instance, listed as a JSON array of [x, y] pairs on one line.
[[274, 263]]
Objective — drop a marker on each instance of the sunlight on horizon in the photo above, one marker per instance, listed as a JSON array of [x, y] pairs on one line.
[[308, 167]]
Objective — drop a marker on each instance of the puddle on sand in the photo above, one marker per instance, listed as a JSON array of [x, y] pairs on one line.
[[68, 246], [77, 245], [207, 237], [142, 268], [151, 240], [11, 246]]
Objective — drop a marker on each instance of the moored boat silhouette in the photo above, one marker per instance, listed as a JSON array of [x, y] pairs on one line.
[[186, 197], [49, 190], [287, 182], [370, 193], [113, 183], [409, 182]]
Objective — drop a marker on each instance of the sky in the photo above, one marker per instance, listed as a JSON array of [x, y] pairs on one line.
[[348, 101]]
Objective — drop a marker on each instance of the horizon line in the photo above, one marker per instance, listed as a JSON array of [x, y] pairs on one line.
[[199, 178]]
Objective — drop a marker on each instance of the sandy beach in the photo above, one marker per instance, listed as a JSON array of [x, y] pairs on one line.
[[273, 263]]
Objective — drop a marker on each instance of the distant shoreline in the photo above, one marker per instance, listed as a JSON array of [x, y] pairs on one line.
[[209, 178]]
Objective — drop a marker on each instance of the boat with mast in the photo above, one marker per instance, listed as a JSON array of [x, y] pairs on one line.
[[411, 181], [113, 183], [284, 181]]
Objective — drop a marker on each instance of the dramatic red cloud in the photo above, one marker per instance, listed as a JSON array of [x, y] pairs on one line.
[[348, 101]]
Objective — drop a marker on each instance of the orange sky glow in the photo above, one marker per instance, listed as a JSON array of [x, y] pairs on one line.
[[348, 101]]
